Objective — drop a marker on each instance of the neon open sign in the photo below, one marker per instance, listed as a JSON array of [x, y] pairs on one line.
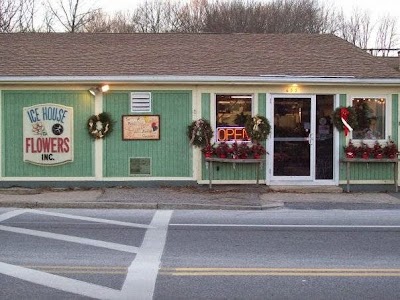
[[231, 134]]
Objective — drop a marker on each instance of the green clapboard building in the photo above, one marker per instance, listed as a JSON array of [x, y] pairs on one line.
[[114, 109]]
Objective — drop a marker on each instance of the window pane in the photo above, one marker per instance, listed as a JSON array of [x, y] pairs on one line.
[[232, 114], [370, 117]]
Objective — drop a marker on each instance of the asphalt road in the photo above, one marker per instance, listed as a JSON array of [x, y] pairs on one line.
[[145, 254]]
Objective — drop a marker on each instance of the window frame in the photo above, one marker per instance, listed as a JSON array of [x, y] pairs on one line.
[[388, 116], [213, 113]]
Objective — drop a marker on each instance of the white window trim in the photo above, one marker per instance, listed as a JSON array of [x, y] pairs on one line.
[[388, 117]]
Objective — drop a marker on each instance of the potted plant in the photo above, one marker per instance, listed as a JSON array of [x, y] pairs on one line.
[[243, 150], [350, 150], [258, 150], [377, 150], [365, 151], [391, 150], [235, 150], [208, 150], [222, 150]]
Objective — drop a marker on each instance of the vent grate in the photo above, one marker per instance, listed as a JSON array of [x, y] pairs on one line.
[[140, 166], [140, 102]]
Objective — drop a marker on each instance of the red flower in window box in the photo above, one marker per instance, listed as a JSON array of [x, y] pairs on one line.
[[222, 150]]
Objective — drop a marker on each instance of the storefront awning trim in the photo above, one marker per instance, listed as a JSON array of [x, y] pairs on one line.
[[262, 79]]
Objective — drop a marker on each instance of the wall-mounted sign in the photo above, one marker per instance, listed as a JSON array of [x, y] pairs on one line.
[[47, 134], [232, 134], [141, 127]]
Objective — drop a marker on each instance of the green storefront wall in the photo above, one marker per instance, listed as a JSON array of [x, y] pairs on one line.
[[170, 156], [12, 106]]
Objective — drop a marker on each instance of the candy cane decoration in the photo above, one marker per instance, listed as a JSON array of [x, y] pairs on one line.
[[344, 115]]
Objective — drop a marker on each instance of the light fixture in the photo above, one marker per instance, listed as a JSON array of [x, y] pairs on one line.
[[105, 88], [95, 90]]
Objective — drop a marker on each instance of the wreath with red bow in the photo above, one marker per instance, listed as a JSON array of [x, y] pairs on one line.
[[348, 114]]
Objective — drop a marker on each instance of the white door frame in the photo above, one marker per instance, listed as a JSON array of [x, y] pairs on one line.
[[298, 180]]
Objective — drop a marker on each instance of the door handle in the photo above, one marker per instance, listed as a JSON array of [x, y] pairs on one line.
[[309, 139]]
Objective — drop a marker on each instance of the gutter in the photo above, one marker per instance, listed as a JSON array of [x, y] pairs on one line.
[[167, 79]]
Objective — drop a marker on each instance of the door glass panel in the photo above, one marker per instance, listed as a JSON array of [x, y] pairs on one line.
[[324, 137], [292, 125]]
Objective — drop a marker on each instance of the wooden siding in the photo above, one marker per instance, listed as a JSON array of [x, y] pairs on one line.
[[262, 100], [171, 156], [376, 171], [12, 137], [205, 106]]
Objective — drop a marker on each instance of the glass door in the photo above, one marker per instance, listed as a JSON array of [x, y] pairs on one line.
[[294, 138]]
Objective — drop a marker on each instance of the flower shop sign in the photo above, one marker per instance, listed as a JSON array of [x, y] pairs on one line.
[[135, 127], [47, 134]]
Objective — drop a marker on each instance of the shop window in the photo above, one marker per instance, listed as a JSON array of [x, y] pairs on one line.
[[371, 118], [232, 112]]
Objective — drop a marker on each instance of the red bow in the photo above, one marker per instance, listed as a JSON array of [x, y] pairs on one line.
[[344, 114]]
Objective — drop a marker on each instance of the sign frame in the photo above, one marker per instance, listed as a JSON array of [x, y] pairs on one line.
[[140, 127], [48, 134]]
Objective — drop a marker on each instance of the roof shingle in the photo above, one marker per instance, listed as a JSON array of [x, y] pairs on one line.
[[103, 54]]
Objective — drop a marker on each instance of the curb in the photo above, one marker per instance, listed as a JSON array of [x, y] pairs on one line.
[[127, 205], [207, 206], [340, 205], [272, 205], [90, 205]]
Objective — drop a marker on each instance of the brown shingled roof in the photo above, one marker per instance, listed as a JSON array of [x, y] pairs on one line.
[[103, 54], [391, 61]]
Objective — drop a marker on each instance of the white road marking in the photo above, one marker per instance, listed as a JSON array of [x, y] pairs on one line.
[[72, 239], [142, 273], [12, 214], [60, 283], [292, 226], [105, 221]]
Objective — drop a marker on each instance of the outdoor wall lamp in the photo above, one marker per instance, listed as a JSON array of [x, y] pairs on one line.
[[95, 90]]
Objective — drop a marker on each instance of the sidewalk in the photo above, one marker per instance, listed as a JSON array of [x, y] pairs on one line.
[[246, 197]]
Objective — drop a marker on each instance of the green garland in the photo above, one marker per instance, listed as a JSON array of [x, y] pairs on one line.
[[100, 125], [352, 120], [200, 133], [258, 128]]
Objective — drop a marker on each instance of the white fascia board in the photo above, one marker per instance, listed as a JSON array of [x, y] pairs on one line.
[[195, 80]]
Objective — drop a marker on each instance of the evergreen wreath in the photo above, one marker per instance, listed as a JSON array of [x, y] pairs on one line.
[[258, 128], [352, 119], [200, 133], [100, 125]]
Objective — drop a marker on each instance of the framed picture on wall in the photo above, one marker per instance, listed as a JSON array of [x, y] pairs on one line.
[[140, 127]]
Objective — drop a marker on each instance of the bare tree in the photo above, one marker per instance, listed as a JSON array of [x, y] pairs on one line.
[[236, 16], [154, 16], [9, 15], [99, 22], [191, 16], [72, 15], [328, 19], [386, 37], [278, 16], [120, 22], [357, 29]]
